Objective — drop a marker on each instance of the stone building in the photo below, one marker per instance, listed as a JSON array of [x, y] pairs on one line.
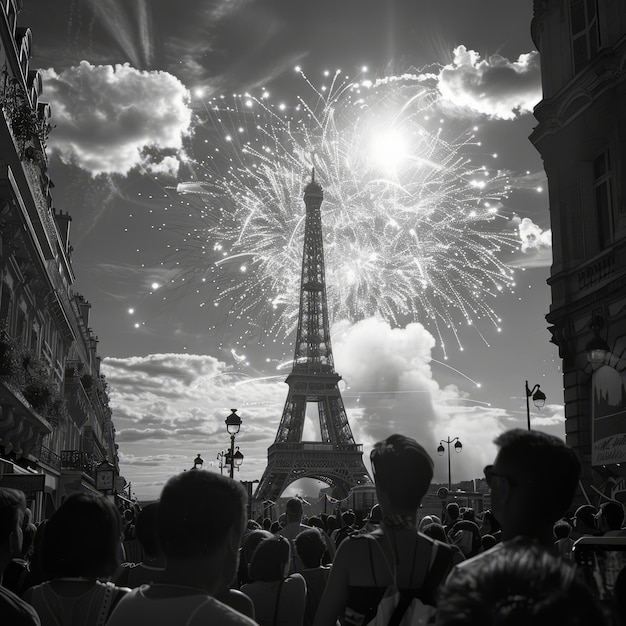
[[55, 421], [581, 136]]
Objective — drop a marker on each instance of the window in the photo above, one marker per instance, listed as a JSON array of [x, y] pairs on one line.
[[584, 31], [603, 201]]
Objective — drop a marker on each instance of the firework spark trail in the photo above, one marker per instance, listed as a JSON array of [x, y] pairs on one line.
[[409, 219]]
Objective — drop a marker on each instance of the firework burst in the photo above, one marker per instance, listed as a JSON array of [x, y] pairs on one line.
[[413, 223]]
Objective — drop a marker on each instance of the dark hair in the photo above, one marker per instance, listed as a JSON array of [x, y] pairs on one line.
[[316, 522], [275, 527], [453, 511], [518, 584], [270, 559], [145, 530], [197, 511], [562, 529], [348, 517], [82, 538], [487, 542], [293, 509], [12, 502], [613, 513], [494, 524], [251, 541], [552, 469], [400, 456], [310, 547], [435, 531], [469, 514], [585, 513]]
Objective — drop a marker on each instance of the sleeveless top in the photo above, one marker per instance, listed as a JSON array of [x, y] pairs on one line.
[[91, 608], [363, 601]]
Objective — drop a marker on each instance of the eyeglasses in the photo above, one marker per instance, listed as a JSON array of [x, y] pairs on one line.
[[490, 475]]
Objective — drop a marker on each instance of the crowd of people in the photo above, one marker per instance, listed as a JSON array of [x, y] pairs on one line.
[[201, 561]]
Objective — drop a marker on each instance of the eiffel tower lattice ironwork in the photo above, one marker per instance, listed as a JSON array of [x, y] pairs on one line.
[[336, 459]]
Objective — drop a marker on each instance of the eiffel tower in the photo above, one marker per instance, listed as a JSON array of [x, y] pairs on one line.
[[337, 459]]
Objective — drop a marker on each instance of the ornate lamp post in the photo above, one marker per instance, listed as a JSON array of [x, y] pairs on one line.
[[233, 426], [539, 399], [458, 446], [221, 459]]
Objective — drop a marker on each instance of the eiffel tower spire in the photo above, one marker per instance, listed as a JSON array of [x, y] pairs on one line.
[[337, 459]]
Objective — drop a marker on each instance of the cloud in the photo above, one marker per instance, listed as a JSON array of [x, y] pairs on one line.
[[533, 238], [536, 244], [495, 86], [111, 119], [173, 406]]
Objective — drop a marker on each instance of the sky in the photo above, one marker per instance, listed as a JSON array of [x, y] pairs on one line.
[[184, 134]]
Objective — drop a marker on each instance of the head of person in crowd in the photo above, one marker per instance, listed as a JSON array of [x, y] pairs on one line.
[[469, 514], [293, 510], [270, 560], [425, 521], [331, 523], [12, 511], [267, 523], [200, 523], [248, 546], [610, 516], [521, 584], [533, 479], [310, 547], [402, 471], [83, 538], [435, 531], [585, 521], [490, 524], [466, 535], [562, 529], [348, 518], [145, 531], [452, 512], [275, 527], [316, 522], [487, 542]]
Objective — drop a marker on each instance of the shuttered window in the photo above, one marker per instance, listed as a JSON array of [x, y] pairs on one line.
[[603, 201], [584, 31]]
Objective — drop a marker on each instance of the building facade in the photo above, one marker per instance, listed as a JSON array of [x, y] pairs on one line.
[[55, 420], [581, 136]]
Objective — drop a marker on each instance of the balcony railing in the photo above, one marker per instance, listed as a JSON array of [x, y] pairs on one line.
[[78, 461], [47, 456]]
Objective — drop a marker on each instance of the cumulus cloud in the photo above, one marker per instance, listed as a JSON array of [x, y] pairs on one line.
[[111, 119], [495, 86], [173, 406], [532, 237], [536, 244]]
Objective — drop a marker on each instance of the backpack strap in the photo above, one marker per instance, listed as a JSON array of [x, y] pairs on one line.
[[277, 605]]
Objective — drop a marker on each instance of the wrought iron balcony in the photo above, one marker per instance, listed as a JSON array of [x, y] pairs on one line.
[[78, 461]]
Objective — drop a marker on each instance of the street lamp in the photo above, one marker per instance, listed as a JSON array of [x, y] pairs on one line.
[[597, 349], [539, 399], [458, 446], [197, 462], [221, 458], [233, 425]]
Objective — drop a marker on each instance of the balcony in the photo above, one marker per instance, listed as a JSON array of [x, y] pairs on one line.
[[78, 461], [47, 456]]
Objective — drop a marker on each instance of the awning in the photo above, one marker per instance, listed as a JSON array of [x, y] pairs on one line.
[[30, 484]]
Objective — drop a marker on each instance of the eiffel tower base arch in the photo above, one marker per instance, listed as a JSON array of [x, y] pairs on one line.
[[338, 465]]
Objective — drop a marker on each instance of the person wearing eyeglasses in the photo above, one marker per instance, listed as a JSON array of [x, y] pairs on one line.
[[532, 480]]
